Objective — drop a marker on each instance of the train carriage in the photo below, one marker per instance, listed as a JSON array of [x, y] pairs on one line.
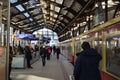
[[105, 39]]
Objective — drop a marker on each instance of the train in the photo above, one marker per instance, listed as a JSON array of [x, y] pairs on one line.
[[105, 38]]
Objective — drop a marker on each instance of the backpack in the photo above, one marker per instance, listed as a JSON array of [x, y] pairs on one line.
[[49, 51]]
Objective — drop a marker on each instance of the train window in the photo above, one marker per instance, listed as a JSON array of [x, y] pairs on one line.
[[77, 47], [98, 46], [113, 55]]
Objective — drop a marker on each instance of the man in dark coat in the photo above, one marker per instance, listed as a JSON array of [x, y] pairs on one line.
[[28, 55], [87, 64], [10, 61], [43, 53], [57, 52]]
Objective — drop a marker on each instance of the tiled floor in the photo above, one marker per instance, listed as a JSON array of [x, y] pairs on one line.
[[54, 70]]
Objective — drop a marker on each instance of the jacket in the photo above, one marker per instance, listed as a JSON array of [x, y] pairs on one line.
[[87, 65]]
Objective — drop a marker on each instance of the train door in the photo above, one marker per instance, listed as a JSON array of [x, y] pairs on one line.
[[77, 47], [113, 54], [96, 43], [98, 47]]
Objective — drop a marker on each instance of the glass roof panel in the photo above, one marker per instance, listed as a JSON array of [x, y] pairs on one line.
[[26, 14], [51, 13], [20, 8], [52, 0], [13, 1], [31, 19], [51, 18], [70, 15], [55, 15], [57, 9], [59, 1], [51, 6], [76, 7]]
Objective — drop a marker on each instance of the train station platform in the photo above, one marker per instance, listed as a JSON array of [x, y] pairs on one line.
[[53, 70]]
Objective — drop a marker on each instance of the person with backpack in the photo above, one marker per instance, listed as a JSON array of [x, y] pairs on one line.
[[57, 52], [87, 64], [43, 54], [48, 53]]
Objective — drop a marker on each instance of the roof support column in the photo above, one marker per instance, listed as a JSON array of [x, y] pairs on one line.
[[106, 10]]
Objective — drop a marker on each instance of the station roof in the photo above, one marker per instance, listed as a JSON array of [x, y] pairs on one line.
[[57, 15]]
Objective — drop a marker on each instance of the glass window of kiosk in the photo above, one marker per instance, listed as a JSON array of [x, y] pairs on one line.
[[113, 55]]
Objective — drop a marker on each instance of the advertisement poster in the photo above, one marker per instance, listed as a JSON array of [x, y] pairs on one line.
[[2, 63]]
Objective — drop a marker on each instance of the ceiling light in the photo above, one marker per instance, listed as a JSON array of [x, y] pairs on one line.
[[13, 22], [96, 5], [4, 18]]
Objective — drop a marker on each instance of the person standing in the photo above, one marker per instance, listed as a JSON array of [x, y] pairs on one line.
[[28, 55], [87, 64], [36, 49], [43, 53], [54, 49], [48, 53], [10, 61], [57, 52]]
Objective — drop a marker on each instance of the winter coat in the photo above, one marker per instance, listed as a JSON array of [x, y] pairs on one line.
[[43, 52], [10, 55], [28, 53], [58, 51], [87, 65]]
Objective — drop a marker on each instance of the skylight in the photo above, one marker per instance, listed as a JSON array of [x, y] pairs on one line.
[[59, 1], [31, 19], [26, 14], [52, 0], [57, 9], [55, 15], [20, 8], [13, 1]]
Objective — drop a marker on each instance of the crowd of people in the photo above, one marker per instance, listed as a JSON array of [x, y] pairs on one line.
[[44, 52], [86, 65]]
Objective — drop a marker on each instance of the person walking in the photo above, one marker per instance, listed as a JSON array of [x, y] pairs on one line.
[[87, 64], [54, 49], [10, 61], [43, 53], [48, 53], [57, 52], [28, 55]]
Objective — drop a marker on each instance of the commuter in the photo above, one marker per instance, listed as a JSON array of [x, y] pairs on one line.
[[43, 53], [10, 61], [36, 48], [48, 53], [57, 52], [87, 63], [28, 55], [20, 49], [54, 49], [15, 48]]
